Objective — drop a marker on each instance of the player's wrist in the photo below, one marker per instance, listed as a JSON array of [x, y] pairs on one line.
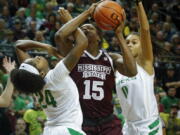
[[137, 1]]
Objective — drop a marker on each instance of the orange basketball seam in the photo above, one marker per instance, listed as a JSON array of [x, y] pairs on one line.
[[107, 18], [114, 10]]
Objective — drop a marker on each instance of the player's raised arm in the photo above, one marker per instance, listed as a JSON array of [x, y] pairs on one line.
[[125, 64], [70, 29], [23, 45], [62, 36], [80, 39], [64, 45], [145, 39], [5, 98]]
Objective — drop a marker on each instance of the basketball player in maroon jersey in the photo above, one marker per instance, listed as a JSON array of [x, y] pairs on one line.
[[94, 75]]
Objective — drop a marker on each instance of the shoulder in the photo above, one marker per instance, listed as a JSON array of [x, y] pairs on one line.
[[142, 70]]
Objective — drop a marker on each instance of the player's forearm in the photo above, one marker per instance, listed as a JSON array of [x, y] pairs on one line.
[[144, 25], [5, 98], [72, 58], [128, 59], [72, 25], [30, 44], [144, 33]]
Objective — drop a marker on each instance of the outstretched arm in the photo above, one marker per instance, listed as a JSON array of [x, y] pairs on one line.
[[66, 44], [23, 45], [63, 43], [81, 42], [145, 38], [125, 64], [5, 98]]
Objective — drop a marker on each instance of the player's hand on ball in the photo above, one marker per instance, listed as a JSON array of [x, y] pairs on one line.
[[120, 28], [92, 7], [65, 16]]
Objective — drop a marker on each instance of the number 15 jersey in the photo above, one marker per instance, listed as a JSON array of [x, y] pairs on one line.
[[94, 77]]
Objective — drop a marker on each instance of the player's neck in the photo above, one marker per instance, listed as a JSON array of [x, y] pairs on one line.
[[93, 49], [93, 52]]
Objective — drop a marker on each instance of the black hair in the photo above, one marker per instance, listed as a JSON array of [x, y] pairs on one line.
[[26, 82]]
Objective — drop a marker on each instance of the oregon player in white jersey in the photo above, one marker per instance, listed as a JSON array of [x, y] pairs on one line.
[[138, 103], [55, 90], [136, 93]]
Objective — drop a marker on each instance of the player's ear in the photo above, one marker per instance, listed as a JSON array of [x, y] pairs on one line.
[[42, 74]]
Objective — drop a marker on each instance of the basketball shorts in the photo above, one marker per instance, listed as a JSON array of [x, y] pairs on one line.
[[61, 130], [143, 127]]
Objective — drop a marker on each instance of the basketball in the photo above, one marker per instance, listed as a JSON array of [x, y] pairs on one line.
[[108, 15]]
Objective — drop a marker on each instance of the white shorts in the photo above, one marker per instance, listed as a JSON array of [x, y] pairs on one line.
[[145, 127], [61, 130]]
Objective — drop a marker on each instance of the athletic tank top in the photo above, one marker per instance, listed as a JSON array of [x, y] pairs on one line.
[[94, 77], [136, 95]]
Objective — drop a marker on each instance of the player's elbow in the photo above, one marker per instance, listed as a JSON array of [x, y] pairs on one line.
[[7, 104], [17, 44], [4, 103], [59, 36]]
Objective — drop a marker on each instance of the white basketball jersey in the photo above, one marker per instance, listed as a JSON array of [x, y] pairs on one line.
[[138, 104], [136, 95], [60, 99]]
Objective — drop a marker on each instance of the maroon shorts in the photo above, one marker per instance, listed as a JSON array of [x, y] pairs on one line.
[[111, 127]]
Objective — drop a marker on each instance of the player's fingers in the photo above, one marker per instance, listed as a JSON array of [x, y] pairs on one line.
[[5, 59], [9, 60], [124, 15], [99, 2], [66, 11], [14, 63], [61, 10]]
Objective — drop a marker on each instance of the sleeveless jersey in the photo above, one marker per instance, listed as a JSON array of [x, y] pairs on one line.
[[136, 95], [94, 77], [60, 99]]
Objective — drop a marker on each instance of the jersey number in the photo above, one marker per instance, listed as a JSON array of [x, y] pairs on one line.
[[97, 91], [125, 91], [49, 99]]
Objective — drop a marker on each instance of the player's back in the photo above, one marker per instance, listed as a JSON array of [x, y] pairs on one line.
[[94, 77]]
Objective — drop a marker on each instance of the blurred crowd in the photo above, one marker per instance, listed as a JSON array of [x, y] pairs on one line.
[[38, 20]]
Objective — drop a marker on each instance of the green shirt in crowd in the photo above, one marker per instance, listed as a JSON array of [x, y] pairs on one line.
[[36, 120]]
